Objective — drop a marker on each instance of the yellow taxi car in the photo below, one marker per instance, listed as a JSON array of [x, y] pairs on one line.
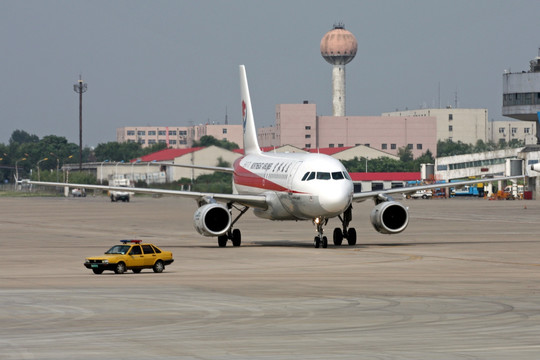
[[130, 255]]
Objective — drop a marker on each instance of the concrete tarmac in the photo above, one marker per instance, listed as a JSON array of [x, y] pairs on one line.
[[462, 282]]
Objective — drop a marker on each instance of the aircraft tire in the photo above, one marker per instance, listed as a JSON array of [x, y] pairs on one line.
[[317, 242], [324, 242], [338, 236], [222, 240], [351, 236], [236, 237]]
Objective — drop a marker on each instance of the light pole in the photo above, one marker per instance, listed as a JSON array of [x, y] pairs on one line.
[[80, 88], [101, 171], [57, 164], [38, 173], [133, 175], [116, 168], [148, 171], [17, 167], [63, 163]]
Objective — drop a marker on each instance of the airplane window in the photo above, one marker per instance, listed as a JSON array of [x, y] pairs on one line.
[[311, 176], [346, 174], [323, 176], [338, 175], [305, 176]]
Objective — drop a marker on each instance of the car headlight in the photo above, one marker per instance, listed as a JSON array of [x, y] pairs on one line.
[[86, 261], [105, 261]]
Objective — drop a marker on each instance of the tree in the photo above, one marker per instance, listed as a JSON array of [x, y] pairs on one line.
[[209, 140], [405, 154], [22, 137]]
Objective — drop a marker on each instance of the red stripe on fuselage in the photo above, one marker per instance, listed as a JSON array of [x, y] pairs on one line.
[[244, 177]]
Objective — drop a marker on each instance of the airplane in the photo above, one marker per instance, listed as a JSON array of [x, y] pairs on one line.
[[285, 186]]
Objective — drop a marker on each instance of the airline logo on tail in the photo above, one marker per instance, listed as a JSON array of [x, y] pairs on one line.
[[244, 116]]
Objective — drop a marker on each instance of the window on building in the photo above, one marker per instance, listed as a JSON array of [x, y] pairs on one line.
[[450, 128], [131, 132], [527, 130], [384, 146], [182, 132], [141, 132], [162, 141], [450, 117], [331, 145], [172, 142], [501, 130], [377, 186], [308, 136], [418, 146], [162, 133], [308, 146], [340, 145], [308, 127], [183, 142], [172, 132], [410, 146], [151, 141], [151, 133], [393, 146], [224, 131], [131, 141], [368, 145], [141, 141], [514, 130]]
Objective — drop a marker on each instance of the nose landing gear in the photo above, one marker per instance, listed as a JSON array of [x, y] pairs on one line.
[[320, 240]]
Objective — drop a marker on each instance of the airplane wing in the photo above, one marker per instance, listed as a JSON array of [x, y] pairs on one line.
[[256, 201], [358, 197]]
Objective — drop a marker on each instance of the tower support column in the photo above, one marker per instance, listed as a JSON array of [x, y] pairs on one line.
[[338, 90]]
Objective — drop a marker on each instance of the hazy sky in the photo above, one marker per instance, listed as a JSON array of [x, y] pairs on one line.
[[175, 63]]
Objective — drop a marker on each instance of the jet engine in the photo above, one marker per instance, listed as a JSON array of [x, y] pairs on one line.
[[390, 217], [212, 219]]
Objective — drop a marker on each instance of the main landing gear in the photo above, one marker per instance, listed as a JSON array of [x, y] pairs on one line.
[[339, 234], [346, 232], [234, 235]]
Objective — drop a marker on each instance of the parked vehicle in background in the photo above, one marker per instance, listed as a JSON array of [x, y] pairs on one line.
[[422, 194], [120, 195]]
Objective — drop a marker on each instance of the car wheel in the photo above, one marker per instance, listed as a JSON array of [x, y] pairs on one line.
[[158, 266], [120, 268], [97, 271], [136, 271]]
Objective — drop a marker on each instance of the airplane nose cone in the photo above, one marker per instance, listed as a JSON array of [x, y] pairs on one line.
[[336, 199]]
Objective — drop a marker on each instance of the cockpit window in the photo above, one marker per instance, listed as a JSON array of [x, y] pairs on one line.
[[323, 176], [311, 176], [305, 176], [338, 175], [346, 174]]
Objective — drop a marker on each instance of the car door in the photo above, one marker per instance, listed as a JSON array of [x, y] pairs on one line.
[[135, 257], [149, 255]]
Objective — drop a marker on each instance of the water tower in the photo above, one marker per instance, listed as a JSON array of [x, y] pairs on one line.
[[338, 47]]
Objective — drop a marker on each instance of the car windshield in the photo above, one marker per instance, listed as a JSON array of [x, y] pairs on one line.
[[118, 249]]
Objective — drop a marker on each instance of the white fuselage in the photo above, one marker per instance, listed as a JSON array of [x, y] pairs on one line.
[[297, 186]]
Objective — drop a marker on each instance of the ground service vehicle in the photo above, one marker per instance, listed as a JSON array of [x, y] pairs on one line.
[[130, 255], [120, 195]]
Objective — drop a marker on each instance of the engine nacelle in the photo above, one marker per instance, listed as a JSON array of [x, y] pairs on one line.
[[390, 217], [212, 220]]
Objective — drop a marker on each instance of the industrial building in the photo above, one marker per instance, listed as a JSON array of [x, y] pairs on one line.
[[178, 137]]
